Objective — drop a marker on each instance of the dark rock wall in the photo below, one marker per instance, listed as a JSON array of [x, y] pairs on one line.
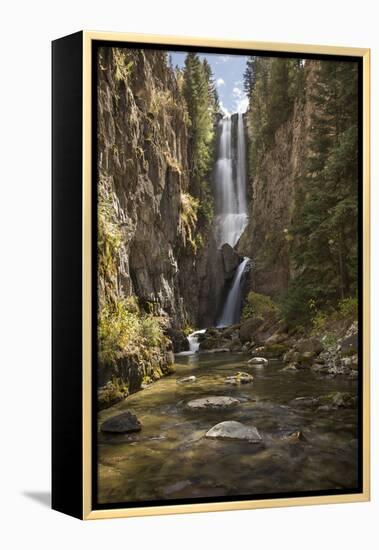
[[142, 171]]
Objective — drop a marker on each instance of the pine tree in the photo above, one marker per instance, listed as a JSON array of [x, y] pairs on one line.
[[325, 223], [201, 100]]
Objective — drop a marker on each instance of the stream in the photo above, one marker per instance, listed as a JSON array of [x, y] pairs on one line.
[[170, 458]]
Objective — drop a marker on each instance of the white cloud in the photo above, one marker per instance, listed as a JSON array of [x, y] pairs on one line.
[[241, 101], [223, 109], [222, 59], [220, 82]]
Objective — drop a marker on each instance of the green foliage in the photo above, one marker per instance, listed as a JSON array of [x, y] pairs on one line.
[[152, 331], [324, 321], [348, 308], [109, 235], [201, 99], [259, 306], [123, 64], [188, 216], [161, 101], [324, 231], [272, 85], [123, 330]]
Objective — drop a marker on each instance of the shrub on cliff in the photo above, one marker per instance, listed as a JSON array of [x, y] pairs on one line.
[[259, 306], [123, 330]]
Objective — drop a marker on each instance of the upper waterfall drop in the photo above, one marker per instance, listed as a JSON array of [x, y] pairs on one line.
[[230, 184]]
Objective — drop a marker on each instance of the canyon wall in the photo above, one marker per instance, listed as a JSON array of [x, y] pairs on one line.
[[271, 195]]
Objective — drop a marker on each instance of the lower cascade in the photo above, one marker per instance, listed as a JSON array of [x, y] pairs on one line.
[[232, 308], [193, 342]]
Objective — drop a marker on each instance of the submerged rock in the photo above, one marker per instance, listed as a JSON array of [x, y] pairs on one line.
[[293, 367], [122, 423], [331, 401], [240, 378], [293, 436], [337, 400], [216, 350], [186, 380], [231, 429], [258, 361], [305, 402], [212, 402]]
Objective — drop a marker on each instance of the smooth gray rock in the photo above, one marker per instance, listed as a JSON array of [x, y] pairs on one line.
[[231, 429], [258, 361], [212, 402], [186, 380], [122, 423]]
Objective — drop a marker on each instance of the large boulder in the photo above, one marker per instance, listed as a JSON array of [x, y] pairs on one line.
[[275, 351], [213, 402], [349, 345], [309, 345], [248, 329], [230, 260], [179, 339], [123, 423], [231, 429]]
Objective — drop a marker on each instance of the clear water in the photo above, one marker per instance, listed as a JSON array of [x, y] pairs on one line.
[[170, 458]]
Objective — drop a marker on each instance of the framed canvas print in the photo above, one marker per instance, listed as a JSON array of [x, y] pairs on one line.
[[210, 275]]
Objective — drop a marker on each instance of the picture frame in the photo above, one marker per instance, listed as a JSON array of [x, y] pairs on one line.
[[75, 298]]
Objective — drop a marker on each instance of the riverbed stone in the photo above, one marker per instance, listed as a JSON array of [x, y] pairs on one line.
[[213, 402], [258, 361], [186, 380], [240, 378], [293, 437], [292, 367], [231, 429], [122, 423]]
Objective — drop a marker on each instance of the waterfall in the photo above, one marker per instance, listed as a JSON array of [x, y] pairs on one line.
[[230, 207], [241, 166], [193, 342], [232, 308]]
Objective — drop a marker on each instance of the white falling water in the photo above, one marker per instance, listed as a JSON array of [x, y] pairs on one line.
[[231, 208], [241, 167], [193, 342], [232, 307], [231, 212]]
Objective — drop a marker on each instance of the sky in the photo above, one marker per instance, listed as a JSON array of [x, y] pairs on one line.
[[228, 74]]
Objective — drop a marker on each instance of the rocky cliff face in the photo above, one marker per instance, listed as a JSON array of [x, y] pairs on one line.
[[143, 170], [272, 196]]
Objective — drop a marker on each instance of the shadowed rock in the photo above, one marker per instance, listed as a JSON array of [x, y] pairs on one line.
[[122, 423], [240, 378]]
